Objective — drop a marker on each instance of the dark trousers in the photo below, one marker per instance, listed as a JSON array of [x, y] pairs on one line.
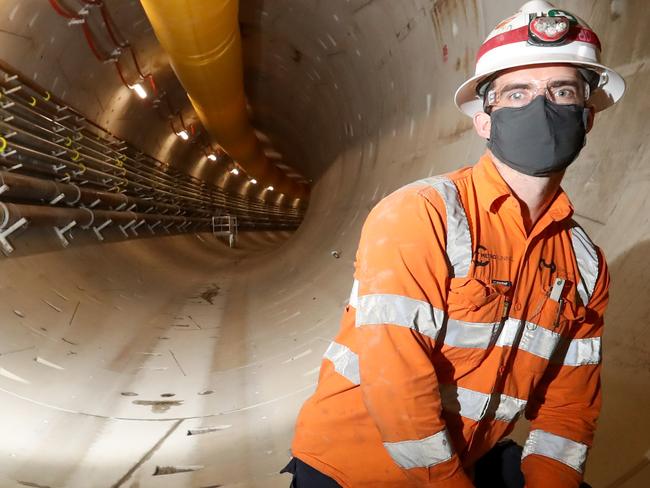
[[499, 468], [304, 476]]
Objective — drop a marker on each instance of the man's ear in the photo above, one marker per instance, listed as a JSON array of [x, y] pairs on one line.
[[590, 119], [482, 124]]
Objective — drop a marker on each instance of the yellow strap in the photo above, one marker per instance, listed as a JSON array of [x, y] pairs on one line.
[[3, 144]]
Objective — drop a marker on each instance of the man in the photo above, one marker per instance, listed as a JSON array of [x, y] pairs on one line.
[[476, 297]]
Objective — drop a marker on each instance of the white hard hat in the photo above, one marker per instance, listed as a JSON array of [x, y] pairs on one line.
[[537, 34]]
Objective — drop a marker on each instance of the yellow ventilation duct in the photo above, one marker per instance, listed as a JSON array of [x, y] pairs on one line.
[[203, 42]]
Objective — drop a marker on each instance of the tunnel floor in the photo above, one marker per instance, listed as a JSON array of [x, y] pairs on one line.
[[161, 373]]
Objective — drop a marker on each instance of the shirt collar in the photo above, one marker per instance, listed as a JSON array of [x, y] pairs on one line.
[[492, 191]]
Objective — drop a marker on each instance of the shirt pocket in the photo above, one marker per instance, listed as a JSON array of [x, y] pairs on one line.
[[472, 300], [474, 310], [550, 326], [560, 315]]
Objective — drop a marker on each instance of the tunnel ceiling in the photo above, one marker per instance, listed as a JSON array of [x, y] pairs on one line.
[[94, 88]]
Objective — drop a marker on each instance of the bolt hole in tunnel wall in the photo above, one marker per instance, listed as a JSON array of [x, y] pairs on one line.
[[356, 96]]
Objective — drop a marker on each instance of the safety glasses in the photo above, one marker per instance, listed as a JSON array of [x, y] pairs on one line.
[[516, 94]]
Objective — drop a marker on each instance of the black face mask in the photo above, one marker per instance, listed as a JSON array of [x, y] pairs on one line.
[[540, 138]]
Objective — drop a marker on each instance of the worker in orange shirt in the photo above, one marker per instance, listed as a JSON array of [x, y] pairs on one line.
[[476, 297]]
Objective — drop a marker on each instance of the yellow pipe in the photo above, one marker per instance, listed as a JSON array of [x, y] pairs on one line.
[[203, 42]]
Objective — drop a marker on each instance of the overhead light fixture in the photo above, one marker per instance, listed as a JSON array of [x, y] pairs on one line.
[[270, 188], [139, 89], [234, 171], [254, 181], [183, 135], [212, 157]]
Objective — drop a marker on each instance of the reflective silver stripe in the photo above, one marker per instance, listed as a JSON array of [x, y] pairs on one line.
[[346, 362], [459, 240], [469, 334], [476, 405], [578, 352], [571, 453], [534, 339], [354, 295], [399, 310], [509, 408], [423, 453], [587, 259], [461, 401], [421, 316]]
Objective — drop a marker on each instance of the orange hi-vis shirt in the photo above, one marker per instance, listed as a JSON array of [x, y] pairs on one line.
[[458, 322]]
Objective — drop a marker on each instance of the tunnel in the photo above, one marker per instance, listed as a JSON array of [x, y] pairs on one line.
[[169, 337]]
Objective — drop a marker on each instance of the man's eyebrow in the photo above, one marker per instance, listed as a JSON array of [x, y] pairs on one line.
[[520, 85], [564, 82], [515, 86]]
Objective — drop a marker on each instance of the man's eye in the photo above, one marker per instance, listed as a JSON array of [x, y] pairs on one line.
[[516, 96], [565, 93]]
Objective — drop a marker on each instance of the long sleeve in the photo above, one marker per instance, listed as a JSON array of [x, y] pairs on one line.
[[402, 272], [567, 402]]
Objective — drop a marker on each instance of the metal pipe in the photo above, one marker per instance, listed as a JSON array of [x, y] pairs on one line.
[[24, 187], [44, 144], [203, 42], [29, 188], [41, 215]]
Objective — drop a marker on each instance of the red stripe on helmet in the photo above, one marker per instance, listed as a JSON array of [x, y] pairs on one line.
[[576, 33]]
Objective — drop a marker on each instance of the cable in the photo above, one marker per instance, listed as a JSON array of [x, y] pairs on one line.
[[135, 62], [91, 43], [180, 116], [121, 75], [113, 34], [123, 44], [62, 11], [110, 26]]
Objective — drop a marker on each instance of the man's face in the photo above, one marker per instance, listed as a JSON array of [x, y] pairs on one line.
[[517, 87]]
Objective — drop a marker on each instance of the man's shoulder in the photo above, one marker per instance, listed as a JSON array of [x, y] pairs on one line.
[[432, 189]]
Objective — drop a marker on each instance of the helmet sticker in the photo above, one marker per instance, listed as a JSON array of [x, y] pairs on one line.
[[505, 22], [562, 13]]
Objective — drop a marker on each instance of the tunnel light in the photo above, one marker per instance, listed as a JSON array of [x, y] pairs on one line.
[[183, 135], [212, 157], [234, 171], [139, 89], [270, 188], [254, 181]]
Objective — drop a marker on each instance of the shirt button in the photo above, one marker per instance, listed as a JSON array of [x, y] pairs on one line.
[[517, 306]]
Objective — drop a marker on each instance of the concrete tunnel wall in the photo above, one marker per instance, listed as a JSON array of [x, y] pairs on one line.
[[96, 339]]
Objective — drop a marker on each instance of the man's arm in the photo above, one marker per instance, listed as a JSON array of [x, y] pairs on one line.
[[402, 270], [567, 403]]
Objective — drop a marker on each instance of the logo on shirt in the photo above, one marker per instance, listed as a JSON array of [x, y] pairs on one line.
[[482, 256], [544, 264]]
